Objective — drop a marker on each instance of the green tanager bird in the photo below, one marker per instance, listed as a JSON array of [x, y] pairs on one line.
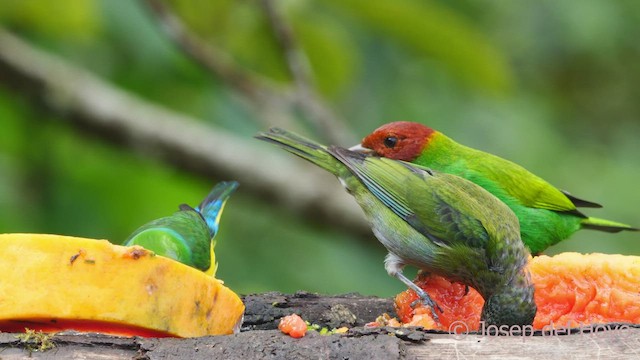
[[188, 235], [547, 215], [440, 223]]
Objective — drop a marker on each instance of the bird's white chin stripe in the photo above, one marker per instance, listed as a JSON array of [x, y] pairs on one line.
[[358, 148]]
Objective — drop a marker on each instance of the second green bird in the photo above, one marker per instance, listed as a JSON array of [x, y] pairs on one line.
[[437, 222], [188, 235], [547, 215]]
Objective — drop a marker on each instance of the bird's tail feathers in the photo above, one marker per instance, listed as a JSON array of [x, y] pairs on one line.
[[300, 146], [581, 202], [211, 207], [606, 225]]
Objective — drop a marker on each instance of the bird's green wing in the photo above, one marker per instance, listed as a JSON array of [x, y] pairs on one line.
[[462, 207], [453, 212], [501, 177], [418, 197], [183, 236], [473, 219], [506, 177], [386, 180]]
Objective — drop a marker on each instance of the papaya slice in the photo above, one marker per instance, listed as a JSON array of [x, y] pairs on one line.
[[571, 290], [53, 283]]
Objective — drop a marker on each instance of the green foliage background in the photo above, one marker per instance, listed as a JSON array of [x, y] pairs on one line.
[[552, 85]]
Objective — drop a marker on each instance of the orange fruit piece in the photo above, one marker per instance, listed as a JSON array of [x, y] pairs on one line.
[[293, 325], [571, 290]]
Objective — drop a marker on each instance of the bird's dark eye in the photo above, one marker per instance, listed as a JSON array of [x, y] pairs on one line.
[[390, 141]]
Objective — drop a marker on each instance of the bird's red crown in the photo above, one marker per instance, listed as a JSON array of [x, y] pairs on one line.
[[400, 140]]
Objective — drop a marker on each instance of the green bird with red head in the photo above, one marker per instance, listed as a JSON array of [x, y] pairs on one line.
[[440, 223], [547, 214]]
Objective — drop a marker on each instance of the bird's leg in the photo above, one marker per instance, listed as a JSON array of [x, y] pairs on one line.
[[394, 264]]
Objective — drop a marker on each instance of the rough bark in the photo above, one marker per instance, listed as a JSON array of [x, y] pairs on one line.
[[357, 344], [259, 339], [264, 310]]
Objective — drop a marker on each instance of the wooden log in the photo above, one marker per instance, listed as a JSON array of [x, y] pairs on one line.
[[370, 344], [264, 310], [259, 339]]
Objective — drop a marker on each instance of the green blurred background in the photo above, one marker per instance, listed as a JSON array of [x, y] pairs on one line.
[[552, 85]]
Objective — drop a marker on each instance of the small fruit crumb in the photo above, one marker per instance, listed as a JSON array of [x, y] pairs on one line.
[[325, 330], [384, 320], [342, 330], [293, 325], [136, 252]]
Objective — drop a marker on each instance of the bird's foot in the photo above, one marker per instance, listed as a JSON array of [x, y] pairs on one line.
[[426, 300], [394, 264]]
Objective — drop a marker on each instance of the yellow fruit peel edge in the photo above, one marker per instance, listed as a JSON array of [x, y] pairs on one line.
[[53, 277]]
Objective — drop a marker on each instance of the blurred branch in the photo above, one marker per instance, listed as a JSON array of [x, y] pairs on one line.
[[270, 102], [214, 60], [94, 106], [307, 99], [297, 63], [255, 92]]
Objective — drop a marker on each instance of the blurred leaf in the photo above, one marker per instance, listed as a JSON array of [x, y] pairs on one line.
[[209, 17], [13, 212], [242, 29], [137, 50], [69, 19], [436, 32], [329, 48], [238, 27], [12, 136]]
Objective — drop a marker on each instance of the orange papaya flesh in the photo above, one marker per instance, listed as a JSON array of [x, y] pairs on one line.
[[571, 290], [54, 283], [54, 325]]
